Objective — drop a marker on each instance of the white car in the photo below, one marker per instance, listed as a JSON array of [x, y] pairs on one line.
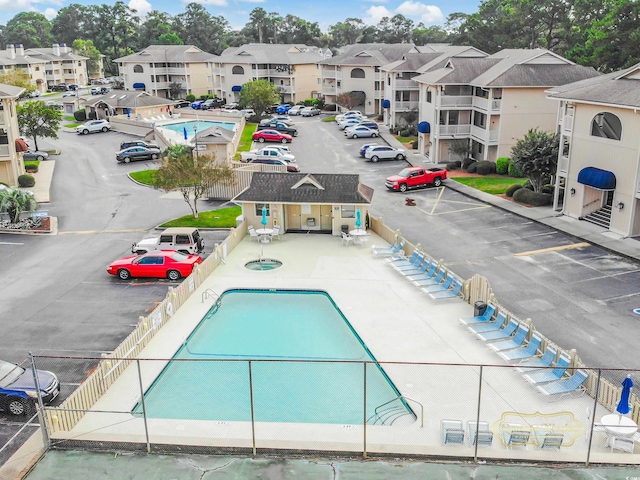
[[34, 94], [295, 110], [359, 131], [384, 152], [349, 122], [68, 94], [93, 126], [350, 113]]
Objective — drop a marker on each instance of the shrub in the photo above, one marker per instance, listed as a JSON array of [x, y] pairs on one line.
[[502, 165], [514, 171], [512, 189], [548, 189], [191, 97], [485, 167], [330, 107], [472, 167], [31, 167], [535, 199], [26, 181], [80, 115], [254, 118], [414, 144], [467, 161], [405, 133], [452, 166]]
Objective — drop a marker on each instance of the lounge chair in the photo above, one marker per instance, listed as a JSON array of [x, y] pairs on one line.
[[453, 292], [484, 318], [389, 252], [497, 324], [430, 271], [482, 433], [402, 260], [431, 281], [505, 333], [518, 339], [441, 287], [552, 441], [377, 248], [529, 351], [417, 269], [550, 376], [568, 386], [452, 432], [252, 233], [535, 365], [515, 435]]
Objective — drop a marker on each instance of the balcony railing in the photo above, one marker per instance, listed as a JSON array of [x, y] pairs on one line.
[[404, 106], [563, 164], [486, 104], [402, 84], [494, 136], [261, 72], [567, 123], [328, 90], [285, 88], [4, 150], [450, 130], [456, 100]]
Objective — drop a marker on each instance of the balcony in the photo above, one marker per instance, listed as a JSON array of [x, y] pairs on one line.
[[405, 106], [285, 88], [486, 104], [453, 130], [567, 123], [489, 137], [378, 94], [402, 84], [331, 74], [328, 90], [281, 73], [159, 85], [456, 101], [260, 72]]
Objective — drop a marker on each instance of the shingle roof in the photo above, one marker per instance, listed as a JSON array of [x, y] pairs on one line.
[[215, 135], [264, 53], [457, 71], [169, 54], [10, 91], [49, 54], [131, 99], [335, 188], [371, 54], [5, 59], [620, 88]]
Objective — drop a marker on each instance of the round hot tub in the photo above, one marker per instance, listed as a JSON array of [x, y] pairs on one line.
[[263, 264]]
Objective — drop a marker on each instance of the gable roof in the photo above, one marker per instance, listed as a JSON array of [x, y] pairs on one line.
[[265, 53], [371, 54], [621, 89], [169, 54], [316, 188], [130, 99], [10, 91], [456, 71], [215, 135], [50, 55]]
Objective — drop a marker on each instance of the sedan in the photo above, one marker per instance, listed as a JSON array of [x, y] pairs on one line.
[[94, 126], [155, 264], [132, 154], [18, 388], [181, 103], [35, 155], [384, 152], [360, 131], [271, 136], [137, 143], [310, 111], [68, 94], [197, 104], [349, 122]]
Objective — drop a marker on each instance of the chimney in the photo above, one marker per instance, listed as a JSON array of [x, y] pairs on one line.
[[64, 48], [56, 49], [20, 50], [11, 51]]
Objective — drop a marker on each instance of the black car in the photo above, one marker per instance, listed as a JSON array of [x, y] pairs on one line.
[[181, 103], [371, 125], [279, 126], [60, 87], [132, 154], [137, 143]]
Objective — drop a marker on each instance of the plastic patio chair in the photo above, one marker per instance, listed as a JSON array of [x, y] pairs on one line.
[[275, 233], [452, 432], [252, 233], [482, 434], [346, 238], [622, 443]]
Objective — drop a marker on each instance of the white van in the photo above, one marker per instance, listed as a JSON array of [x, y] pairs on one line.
[[184, 240]]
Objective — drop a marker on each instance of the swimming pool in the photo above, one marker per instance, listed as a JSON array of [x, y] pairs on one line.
[[200, 125], [295, 340]]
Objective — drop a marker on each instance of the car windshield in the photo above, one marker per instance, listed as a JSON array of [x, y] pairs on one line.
[[9, 373], [178, 257], [405, 173]]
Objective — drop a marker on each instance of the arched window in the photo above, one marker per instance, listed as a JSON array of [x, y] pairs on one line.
[[357, 73], [238, 70], [606, 125], [138, 69]]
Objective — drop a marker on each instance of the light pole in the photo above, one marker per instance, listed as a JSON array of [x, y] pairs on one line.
[[195, 135]]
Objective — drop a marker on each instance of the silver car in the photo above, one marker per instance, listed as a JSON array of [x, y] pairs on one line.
[[93, 126], [35, 155], [358, 131], [384, 152]]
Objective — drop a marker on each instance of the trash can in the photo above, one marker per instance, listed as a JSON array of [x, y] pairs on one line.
[[479, 308]]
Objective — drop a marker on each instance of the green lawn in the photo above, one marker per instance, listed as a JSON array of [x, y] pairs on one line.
[[332, 118], [145, 177], [72, 125], [245, 139], [492, 184], [222, 218], [69, 118]]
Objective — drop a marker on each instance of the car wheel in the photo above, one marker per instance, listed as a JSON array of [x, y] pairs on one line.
[[261, 139], [354, 136], [85, 132], [124, 274], [374, 135], [403, 187], [154, 156], [284, 140], [399, 157], [173, 275], [105, 129], [127, 159], [17, 406], [437, 182], [375, 158]]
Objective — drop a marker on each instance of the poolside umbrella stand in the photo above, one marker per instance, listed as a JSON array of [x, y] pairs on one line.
[[358, 220], [264, 222], [185, 132], [623, 404]]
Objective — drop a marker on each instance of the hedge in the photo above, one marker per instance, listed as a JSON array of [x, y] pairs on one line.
[[485, 167], [502, 165], [26, 181], [535, 199], [512, 189]]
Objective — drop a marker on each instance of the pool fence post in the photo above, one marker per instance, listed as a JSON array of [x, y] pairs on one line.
[[144, 409], [593, 418], [45, 431], [475, 452], [364, 419], [253, 422]]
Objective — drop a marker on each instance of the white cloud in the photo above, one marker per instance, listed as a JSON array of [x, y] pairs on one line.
[[375, 1], [50, 13], [426, 13], [253, 1], [215, 3], [142, 7], [375, 13]]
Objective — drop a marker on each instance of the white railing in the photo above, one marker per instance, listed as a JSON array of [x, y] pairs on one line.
[[496, 105], [563, 164], [329, 90], [479, 132], [494, 135], [285, 88], [480, 102], [454, 130], [456, 100], [406, 105], [261, 72], [402, 84], [567, 123]]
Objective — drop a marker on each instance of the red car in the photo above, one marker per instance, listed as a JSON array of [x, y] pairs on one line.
[[156, 264], [271, 136]]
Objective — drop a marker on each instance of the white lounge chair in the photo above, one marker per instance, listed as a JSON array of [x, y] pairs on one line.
[[452, 432]]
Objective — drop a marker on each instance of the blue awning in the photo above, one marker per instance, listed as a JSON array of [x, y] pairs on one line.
[[236, 88], [424, 127], [138, 85], [597, 178], [386, 103]]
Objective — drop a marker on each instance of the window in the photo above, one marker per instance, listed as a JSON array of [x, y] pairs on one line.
[[183, 240], [402, 96], [259, 209], [138, 69], [348, 211], [606, 125], [166, 238], [479, 119], [151, 261], [428, 96], [237, 70], [357, 73]]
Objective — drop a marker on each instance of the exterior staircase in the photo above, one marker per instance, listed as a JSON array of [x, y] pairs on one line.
[[601, 217]]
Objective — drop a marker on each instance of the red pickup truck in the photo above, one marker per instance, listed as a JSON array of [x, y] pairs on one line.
[[414, 177]]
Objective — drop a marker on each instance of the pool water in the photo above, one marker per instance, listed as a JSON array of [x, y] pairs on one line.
[[293, 339], [200, 125]]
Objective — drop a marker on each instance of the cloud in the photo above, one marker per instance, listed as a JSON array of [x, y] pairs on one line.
[[375, 1], [142, 7], [426, 13], [253, 1], [375, 13], [50, 13], [215, 3]]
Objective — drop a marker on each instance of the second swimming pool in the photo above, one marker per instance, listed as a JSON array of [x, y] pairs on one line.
[[295, 341], [181, 127]]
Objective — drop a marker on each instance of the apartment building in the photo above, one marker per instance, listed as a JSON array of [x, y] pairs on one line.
[[11, 164], [491, 102], [598, 176], [292, 68], [14, 58], [61, 65], [155, 68]]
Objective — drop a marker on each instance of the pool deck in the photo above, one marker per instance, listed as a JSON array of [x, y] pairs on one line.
[[398, 323]]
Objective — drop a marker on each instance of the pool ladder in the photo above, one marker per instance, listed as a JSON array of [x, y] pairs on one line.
[[208, 293], [388, 415]]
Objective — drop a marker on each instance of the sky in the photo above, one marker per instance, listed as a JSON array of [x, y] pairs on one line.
[[325, 12]]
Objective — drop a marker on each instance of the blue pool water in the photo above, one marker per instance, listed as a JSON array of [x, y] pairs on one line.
[[271, 328], [199, 124]]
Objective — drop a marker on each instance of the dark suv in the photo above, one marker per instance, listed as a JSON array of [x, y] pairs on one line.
[[60, 87], [137, 143], [279, 126]]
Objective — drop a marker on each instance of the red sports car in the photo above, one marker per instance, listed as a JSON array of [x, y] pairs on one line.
[[156, 264], [271, 136]]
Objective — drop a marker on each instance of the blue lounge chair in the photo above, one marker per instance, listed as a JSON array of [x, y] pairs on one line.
[[481, 433], [416, 256], [517, 341], [431, 281], [497, 324], [536, 365], [529, 351], [418, 269], [414, 267], [550, 376], [441, 287], [453, 292], [429, 273], [505, 333], [568, 386], [484, 318], [391, 251], [378, 248]]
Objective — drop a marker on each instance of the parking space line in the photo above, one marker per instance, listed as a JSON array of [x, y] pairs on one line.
[[93, 232], [552, 249], [11, 243]]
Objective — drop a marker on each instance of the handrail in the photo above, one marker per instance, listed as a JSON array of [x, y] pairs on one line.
[[208, 293], [592, 201], [375, 412]]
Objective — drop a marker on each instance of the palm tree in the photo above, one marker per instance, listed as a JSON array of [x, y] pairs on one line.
[[14, 202]]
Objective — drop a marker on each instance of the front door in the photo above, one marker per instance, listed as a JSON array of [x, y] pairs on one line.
[[326, 222], [292, 217]]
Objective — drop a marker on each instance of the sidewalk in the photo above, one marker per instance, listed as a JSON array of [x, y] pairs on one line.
[[585, 231]]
